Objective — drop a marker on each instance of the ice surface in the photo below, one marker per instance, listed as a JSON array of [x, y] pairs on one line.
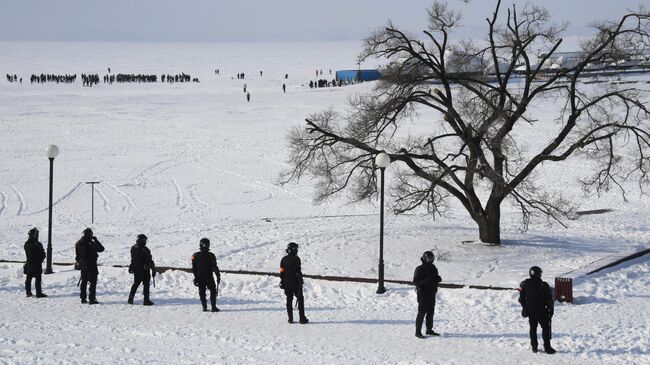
[[184, 161]]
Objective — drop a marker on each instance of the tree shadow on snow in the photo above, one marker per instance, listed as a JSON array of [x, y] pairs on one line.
[[564, 244], [371, 322], [485, 335], [592, 300]]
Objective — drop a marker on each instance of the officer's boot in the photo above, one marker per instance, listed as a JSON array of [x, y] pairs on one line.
[[28, 287], [145, 293], [132, 294], [418, 324], [213, 302], [548, 349], [301, 310], [204, 303], [290, 308], [39, 289]]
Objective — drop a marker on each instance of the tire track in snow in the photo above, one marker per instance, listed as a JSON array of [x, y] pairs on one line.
[[107, 203], [65, 196], [3, 202], [129, 200], [21, 200]]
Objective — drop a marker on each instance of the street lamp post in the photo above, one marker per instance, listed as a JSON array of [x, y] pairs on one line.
[[382, 160], [51, 152]]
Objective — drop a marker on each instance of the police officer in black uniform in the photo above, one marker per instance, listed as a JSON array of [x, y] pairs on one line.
[[86, 258], [204, 263], [141, 264], [426, 280], [537, 304], [291, 281], [33, 266]]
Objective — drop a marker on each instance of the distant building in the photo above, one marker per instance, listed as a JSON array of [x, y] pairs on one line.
[[357, 75]]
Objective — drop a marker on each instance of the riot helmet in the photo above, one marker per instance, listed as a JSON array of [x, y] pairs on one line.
[[535, 271], [292, 248], [204, 244], [427, 257], [142, 240]]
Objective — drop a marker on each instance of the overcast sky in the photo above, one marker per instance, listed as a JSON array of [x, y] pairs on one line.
[[256, 20]]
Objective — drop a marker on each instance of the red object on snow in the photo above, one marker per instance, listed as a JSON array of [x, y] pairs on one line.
[[564, 289]]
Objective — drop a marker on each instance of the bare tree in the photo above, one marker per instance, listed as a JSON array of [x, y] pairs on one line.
[[472, 154]]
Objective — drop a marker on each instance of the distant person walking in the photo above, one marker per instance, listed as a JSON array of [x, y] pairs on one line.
[[204, 264], [284, 88], [86, 259], [245, 88], [537, 304], [248, 97], [33, 269], [291, 281], [426, 280], [141, 266]]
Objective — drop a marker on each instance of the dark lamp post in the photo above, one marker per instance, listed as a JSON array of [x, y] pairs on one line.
[[382, 160], [51, 152]]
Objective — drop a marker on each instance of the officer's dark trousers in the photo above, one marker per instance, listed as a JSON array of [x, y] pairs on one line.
[[88, 276], [208, 282], [290, 293], [426, 307], [37, 283], [140, 277], [543, 320]]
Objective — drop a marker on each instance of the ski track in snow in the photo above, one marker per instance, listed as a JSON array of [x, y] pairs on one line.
[[62, 198], [106, 203], [194, 194], [129, 200], [3, 202], [21, 200], [179, 194]]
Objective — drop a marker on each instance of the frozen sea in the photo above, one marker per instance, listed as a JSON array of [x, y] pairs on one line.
[[188, 160]]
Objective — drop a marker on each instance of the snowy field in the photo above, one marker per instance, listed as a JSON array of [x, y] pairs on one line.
[[184, 161]]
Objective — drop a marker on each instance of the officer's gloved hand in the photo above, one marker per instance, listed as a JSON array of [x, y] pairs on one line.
[[550, 313], [219, 280], [281, 285], [524, 313], [153, 273], [196, 282]]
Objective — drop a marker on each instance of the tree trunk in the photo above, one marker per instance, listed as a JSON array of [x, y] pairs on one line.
[[489, 224]]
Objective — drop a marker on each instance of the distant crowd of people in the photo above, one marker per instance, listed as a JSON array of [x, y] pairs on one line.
[[94, 79]]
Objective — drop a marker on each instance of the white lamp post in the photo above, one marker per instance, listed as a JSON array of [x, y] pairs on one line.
[[382, 160], [51, 152]]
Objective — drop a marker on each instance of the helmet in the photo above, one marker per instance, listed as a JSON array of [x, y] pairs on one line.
[[88, 232], [142, 240], [292, 248], [535, 271], [33, 232], [204, 244], [427, 256]]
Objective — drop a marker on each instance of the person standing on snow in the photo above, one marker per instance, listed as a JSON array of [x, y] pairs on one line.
[[141, 264], [204, 264], [291, 281], [33, 269], [86, 250], [426, 280], [537, 304]]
